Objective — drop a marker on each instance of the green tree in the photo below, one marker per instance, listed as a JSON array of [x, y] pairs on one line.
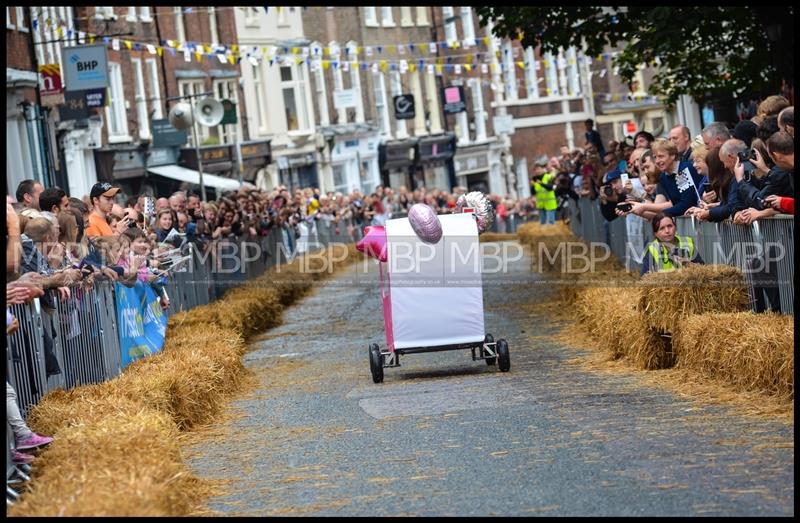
[[706, 52]]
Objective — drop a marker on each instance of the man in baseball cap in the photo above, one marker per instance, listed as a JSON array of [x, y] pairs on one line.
[[102, 196]]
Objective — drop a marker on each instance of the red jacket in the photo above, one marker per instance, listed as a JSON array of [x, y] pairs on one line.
[[786, 204]]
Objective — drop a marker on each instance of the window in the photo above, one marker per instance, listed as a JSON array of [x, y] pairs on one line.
[[511, 73], [193, 87], [293, 89], [552, 75], [355, 79], [104, 13], [282, 19], [228, 90], [467, 25], [370, 17], [450, 32], [381, 110], [251, 18], [573, 74], [212, 23], [397, 90], [368, 180], [340, 178], [405, 17], [9, 23], [144, 14], [258, 83], [422, 16], [21, 20], [131, 14], [115, 112], [141, 99], [322, 95], [387, 16], [180, 31], [155, 89], [531, 82], [477, 109]]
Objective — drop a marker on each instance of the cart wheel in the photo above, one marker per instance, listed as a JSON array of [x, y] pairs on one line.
[[376, 363], [490, 339], [503, 356]]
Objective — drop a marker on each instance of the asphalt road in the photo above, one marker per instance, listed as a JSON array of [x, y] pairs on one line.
[[444, 435]]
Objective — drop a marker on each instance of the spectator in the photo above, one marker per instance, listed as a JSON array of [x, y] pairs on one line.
[[643, 139], [679, 183], [681, 137], [784, 204], [779, 181], [24, 437], [28, 192], [668, 251], [102, 195], [722, 183], [177, 202], [768, 127], [715, 134], [771, 106], [745, 131], [611, 194], [593, 138], [786, 121], [164, 225]]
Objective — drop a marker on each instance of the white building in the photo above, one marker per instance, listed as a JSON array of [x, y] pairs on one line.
[[277, 93]]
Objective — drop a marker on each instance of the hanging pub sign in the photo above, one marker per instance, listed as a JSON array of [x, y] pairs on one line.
[[165, 135], [404, 106], [50, 87], [454, 99]]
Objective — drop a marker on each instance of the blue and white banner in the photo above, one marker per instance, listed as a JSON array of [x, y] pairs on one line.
[[141, 323]]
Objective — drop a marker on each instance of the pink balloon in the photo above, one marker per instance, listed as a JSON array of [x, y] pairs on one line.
[[425, 223], [374, 242]]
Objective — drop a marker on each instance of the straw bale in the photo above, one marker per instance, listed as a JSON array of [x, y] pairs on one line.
[[497, 237], [752, 352], [126, 465], [667, 297], [611, 316], [86, 405]]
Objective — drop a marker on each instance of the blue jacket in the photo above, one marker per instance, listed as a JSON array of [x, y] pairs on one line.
[[684, 195], [729, 206]]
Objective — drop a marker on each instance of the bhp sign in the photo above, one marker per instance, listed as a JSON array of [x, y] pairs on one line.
[[86, 67]]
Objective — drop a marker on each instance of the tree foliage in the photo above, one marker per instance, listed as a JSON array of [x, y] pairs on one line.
[[703, 51]]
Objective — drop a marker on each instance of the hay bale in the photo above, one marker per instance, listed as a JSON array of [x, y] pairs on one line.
[[752, 352], [497, 237], [667, 297], [126, 465], [610, 314]]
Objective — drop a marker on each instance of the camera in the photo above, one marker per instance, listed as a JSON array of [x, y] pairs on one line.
[[625, 207], [746, 155], [608, 190]]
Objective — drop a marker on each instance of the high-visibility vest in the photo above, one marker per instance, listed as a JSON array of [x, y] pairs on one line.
[[662, 259], [545, 199]]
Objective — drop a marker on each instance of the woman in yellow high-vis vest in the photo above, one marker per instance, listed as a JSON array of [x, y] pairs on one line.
[[545, 197], [668, 251]]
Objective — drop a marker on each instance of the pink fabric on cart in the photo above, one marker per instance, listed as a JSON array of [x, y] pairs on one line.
[[374, 242]]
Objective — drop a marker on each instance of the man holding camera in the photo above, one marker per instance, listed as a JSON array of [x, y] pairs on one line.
[[612, 192], [543, 187]]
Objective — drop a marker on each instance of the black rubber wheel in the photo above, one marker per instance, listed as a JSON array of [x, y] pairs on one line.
[[376, 363], [504, 359], [490, 339]]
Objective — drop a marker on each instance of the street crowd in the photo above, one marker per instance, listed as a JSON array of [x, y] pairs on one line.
[[56, 243]]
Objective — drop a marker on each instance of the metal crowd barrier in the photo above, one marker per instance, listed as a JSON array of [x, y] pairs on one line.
[[84, 327], [763, 251]]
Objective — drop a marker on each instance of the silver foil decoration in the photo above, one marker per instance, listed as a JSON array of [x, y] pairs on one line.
[[483, 209]]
